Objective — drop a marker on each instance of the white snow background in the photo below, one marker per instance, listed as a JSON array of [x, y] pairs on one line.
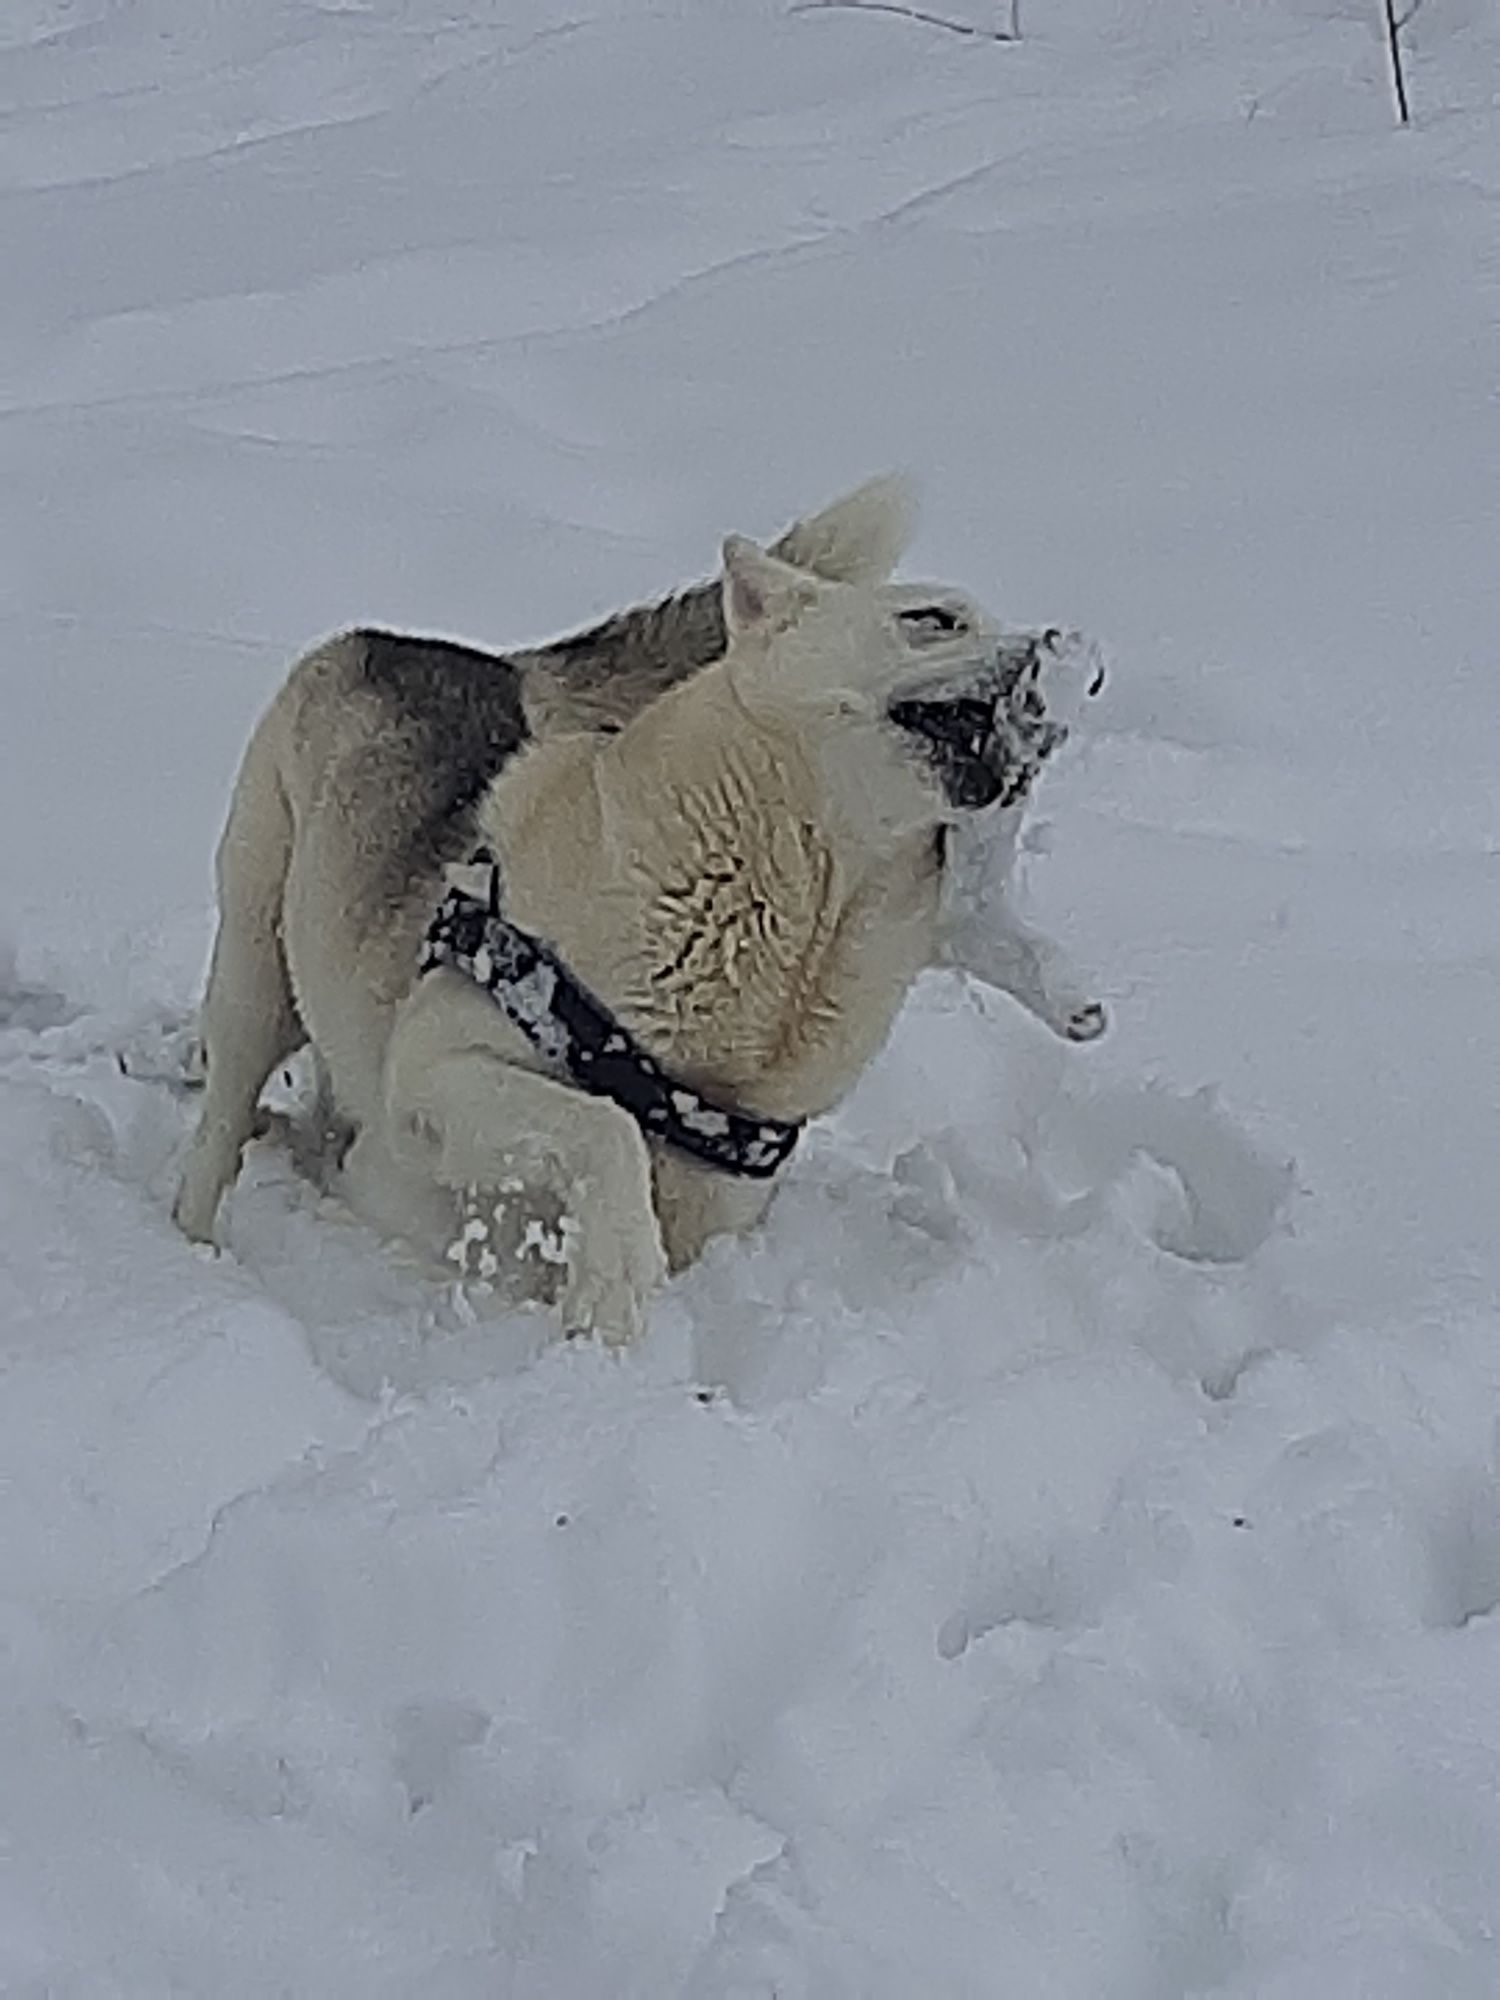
[[1057, 1558]]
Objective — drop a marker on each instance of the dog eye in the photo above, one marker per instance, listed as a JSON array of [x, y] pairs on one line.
[[930, 620]]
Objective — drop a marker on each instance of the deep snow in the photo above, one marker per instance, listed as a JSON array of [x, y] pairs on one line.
[[1058, 1555]]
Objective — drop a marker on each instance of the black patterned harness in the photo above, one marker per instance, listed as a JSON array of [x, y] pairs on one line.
[[581, 1040]]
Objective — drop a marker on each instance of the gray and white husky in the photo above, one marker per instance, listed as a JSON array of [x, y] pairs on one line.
[[738, 823]]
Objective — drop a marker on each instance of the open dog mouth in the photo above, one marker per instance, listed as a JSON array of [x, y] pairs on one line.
[[963, 741], [988, 740]]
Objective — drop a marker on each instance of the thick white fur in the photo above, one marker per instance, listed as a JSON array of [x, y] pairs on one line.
[[747, 873]]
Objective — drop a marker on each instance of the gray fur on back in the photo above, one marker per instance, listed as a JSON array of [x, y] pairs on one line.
[[600, 678], [445, 717], [458, 707]]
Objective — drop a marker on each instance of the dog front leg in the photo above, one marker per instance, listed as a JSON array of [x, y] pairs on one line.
[[483, 1125], [998, 947], [981, 933]]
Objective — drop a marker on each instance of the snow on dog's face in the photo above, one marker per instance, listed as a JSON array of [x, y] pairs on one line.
[[971, 712], [987, 731]]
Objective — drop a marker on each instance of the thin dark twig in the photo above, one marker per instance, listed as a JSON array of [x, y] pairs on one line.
[[906, 14], [1398, 75]]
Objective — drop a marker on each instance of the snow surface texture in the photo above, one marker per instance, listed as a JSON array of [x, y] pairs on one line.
[[1058, 1556]]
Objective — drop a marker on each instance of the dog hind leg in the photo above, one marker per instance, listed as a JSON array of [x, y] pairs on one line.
[[249, 1018]]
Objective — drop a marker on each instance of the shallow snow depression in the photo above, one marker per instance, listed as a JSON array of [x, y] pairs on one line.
[[1058, 1555]]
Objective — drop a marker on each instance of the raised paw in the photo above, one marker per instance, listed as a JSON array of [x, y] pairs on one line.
[[1086, 1023]]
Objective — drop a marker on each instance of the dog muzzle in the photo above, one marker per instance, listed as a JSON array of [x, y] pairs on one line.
[[988, 738]]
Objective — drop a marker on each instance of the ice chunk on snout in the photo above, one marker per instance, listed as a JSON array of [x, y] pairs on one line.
[[1064, 667]]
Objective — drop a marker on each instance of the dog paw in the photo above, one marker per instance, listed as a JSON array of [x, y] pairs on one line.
[[1085, 1023], [600, 1309], [195, 1211], [208, 1173], [608, 1292]]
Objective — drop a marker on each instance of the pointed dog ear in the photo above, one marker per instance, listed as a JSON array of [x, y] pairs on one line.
[[761, 594], [857, 539]]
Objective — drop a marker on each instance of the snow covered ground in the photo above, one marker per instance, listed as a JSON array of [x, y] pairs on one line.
[[1059, 1556]]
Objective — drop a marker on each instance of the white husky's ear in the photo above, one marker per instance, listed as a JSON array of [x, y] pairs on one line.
[[859, 539], [761, 595]]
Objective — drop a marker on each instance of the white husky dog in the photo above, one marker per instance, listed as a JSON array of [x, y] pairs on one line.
[[593, 930]]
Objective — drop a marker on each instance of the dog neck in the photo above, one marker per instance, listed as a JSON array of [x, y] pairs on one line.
[[701, 875]]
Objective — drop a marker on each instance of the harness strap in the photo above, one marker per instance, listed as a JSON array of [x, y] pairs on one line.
[[579, 1038]]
